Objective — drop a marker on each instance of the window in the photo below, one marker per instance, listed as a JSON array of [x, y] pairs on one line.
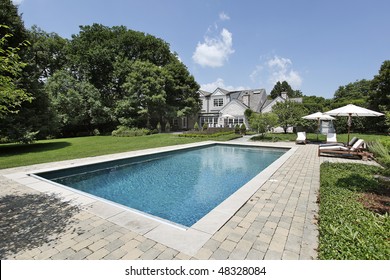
[[218, 102]]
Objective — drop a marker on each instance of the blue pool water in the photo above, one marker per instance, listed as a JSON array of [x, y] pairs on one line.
[[181, 187]]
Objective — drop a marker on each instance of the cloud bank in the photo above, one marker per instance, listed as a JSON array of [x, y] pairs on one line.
[[214, 52], [219, 83], [277, 69]]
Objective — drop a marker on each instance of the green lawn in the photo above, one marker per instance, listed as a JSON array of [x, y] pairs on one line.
[[13, 155]]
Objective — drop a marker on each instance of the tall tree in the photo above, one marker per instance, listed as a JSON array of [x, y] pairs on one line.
[[145, 86], [379, 98], [11, 97], [281, 87], [289, 113], [78, 111], [357, 91]]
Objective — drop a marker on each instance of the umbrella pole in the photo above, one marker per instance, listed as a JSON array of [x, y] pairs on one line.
[[349, 125], [318, 127]]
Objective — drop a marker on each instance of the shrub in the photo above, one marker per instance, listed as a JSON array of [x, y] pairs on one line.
[[243, 129], [196, 126], [381, 152], [237, 129], [124, 131], [205, 126], [167, 127]]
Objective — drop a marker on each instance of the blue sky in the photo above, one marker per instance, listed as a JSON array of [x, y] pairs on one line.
[[316, 46]]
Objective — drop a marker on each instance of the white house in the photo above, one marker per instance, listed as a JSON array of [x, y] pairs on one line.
[[223, 108]]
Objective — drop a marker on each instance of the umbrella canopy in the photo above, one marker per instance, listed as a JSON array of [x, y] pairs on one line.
[[350, 111], [318, 116]]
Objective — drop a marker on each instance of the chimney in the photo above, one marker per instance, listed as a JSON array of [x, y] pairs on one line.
[[283, 94]]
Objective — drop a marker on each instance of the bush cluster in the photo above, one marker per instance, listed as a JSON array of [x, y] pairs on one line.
[[205, 134], [381, 152], [124, 131]]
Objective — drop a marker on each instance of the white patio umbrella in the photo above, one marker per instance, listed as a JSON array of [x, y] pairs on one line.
[[318, 116], [350, 111]]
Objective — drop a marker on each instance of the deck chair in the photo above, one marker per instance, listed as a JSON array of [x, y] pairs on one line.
[[331, 137], [357, 149], [349, 144], [301, 138]]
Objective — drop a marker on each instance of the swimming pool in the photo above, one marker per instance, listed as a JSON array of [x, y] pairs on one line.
[[179, 186]]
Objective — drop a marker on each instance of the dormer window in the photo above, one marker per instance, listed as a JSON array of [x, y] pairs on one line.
[[218, 102]]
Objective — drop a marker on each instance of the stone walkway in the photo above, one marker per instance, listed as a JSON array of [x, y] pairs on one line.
[[277, 222]]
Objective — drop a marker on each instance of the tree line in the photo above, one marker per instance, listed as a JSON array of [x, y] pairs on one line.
[[100, 78], [105, 77], [372, 94]]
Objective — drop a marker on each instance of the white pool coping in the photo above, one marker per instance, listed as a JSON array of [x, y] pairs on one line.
[[186, 240]]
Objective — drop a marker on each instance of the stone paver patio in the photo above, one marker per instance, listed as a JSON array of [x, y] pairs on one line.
[[277, 222]]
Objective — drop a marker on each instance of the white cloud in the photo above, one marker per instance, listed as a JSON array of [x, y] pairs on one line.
[[277, 69], [210, 87], [214, 52], [223, 16]]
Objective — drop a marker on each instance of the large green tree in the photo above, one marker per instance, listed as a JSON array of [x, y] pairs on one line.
[[379, 98], [77, 109], [11, 97], [289, 113], [284, 87]]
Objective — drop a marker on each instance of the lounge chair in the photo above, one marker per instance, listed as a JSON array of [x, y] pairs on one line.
[[349, 144], [331, 137], [301, 138], [357, 149]]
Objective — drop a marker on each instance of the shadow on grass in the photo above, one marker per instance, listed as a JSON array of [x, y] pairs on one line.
[[17, 149], [28, 221]]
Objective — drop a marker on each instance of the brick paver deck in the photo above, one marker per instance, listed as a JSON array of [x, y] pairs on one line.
[[277, 222]]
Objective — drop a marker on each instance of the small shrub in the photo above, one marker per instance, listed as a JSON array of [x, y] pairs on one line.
[[237, 129], [381, 152], [205, 126], [96, 132], [196, 126], [243, 129], [28, 137]]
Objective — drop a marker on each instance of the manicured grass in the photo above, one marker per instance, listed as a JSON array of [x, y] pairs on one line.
[[13, 155], [348, 230]]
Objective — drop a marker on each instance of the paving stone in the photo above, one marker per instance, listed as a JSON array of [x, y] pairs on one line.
[[133, 254], [112, 246], [115, 255], [255, 255], [167, 254], [220, 254], [80, 255], [203, 254], [80, 245], [98, 255], [63, 254], [97, 245], [146, 245], [238, 254], [228, 245], [150, 254]]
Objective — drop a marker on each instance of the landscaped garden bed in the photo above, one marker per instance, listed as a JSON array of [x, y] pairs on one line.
[[354, 217]]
